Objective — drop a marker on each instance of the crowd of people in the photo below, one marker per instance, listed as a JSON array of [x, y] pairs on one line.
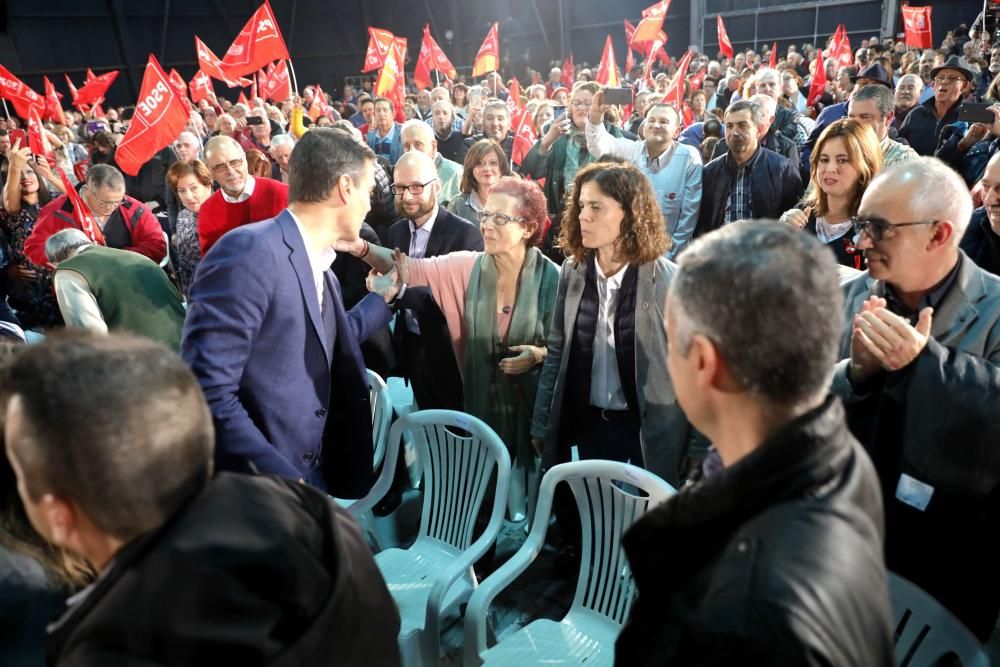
[[790, 312]]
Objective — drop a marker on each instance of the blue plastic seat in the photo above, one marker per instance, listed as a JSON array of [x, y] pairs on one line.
[[458, 455], [925, 631], [381, 405], [608, 503]]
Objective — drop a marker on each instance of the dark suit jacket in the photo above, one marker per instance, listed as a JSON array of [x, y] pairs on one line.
[[450, 233], [287, 389]]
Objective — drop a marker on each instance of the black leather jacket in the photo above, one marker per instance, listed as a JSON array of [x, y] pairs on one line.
[[774, 560]]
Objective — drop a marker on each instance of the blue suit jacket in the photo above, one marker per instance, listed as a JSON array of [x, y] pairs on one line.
[[287, 390]]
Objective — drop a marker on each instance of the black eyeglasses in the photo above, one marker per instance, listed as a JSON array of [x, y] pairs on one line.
[[879, 229], [413, 188], [499, 219]]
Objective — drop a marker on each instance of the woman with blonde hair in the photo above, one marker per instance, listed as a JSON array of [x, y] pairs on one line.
[[846, 158]]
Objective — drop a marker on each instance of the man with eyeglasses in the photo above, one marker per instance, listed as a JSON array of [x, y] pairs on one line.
[[241, 198], [920, 377], [923, 125], [423, 344], [122, 221]]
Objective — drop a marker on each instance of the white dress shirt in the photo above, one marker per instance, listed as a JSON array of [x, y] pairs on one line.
[[245, 195], [419, 236], [319, 262], [605, 384]]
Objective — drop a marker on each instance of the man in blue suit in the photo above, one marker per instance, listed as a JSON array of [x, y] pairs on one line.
[[268, 338]]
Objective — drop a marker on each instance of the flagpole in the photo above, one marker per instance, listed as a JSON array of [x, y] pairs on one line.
[[6, 112], [295, 83], [437, 75]]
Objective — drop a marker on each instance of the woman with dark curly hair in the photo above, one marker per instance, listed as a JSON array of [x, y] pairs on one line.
[[498, 305], [604, 387]]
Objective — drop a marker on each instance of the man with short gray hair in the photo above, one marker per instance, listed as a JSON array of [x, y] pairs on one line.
[[111, 444], [786, 121], [749, 181], [771, 138], [448, 130], [786, 496], [920, 377], [241, 198], [873, 106], [907, 96], [106, 289], [118, 220], [281, 152]]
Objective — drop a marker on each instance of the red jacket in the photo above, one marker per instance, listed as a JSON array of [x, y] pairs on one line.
[[142, 226], [217, 216]]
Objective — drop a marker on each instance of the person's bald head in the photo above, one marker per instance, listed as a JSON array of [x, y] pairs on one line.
[[416, 186], [991, 191], [418, 136]]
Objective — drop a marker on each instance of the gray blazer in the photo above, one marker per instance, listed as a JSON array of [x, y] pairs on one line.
[[665, 429]]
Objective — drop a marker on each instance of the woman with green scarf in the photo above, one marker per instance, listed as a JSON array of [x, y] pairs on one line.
[[560, 153], [498, 305]]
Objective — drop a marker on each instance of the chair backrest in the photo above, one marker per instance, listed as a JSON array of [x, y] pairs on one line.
[[458, 454], [378, 395], [925, 631]]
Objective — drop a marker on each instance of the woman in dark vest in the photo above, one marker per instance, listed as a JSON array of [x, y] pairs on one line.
[[604, 387]]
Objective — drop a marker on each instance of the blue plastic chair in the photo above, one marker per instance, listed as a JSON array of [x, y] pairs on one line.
[[925, 631], [432, 577], [605, 588], [381, 405]]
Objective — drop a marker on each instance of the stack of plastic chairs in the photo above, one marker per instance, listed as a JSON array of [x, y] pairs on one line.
[[608, 503], [458, 455]]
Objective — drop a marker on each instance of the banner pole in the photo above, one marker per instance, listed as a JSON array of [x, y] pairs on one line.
[[6, 112], [295, 83]]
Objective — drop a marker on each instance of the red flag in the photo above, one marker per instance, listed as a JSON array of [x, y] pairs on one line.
[[431, 58], [53, 107], [818, 84], [698, 79], [629, 61], [524, 136], [277, 87], [648, 73], [258, 43], [90, 76], [210, 64], [514, 93], [646, 48], [99, 112], [72, 92], [725, 46], [568, 73], [774, 56], [488, 58], [607, 73], [652, 22], [390, 83], [242, 99], [379, 43], [159, 117], [177, 81], [917, 25], [841, 47], [38, 143], [319, 107], [200, 86], [94, 89], [675, 91], [22, 97], [253, 88], [81, 214]]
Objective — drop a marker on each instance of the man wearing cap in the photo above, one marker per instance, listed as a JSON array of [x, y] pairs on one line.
[[923, 125], [873, 75]]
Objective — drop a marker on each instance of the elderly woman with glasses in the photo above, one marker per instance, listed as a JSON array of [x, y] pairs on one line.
[[498, 305]]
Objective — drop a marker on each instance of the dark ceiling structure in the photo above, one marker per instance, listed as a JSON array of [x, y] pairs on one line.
[[327, 38]]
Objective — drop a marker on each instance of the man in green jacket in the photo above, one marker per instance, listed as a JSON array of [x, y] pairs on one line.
[[105, 289]]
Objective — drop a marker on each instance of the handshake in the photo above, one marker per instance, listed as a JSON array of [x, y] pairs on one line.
[[390, 268]]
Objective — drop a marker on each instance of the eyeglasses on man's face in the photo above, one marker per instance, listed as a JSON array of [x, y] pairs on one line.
[[103, 203], [879, 229], [498, 219], [942, 80], [412, 188], [223, 167]]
